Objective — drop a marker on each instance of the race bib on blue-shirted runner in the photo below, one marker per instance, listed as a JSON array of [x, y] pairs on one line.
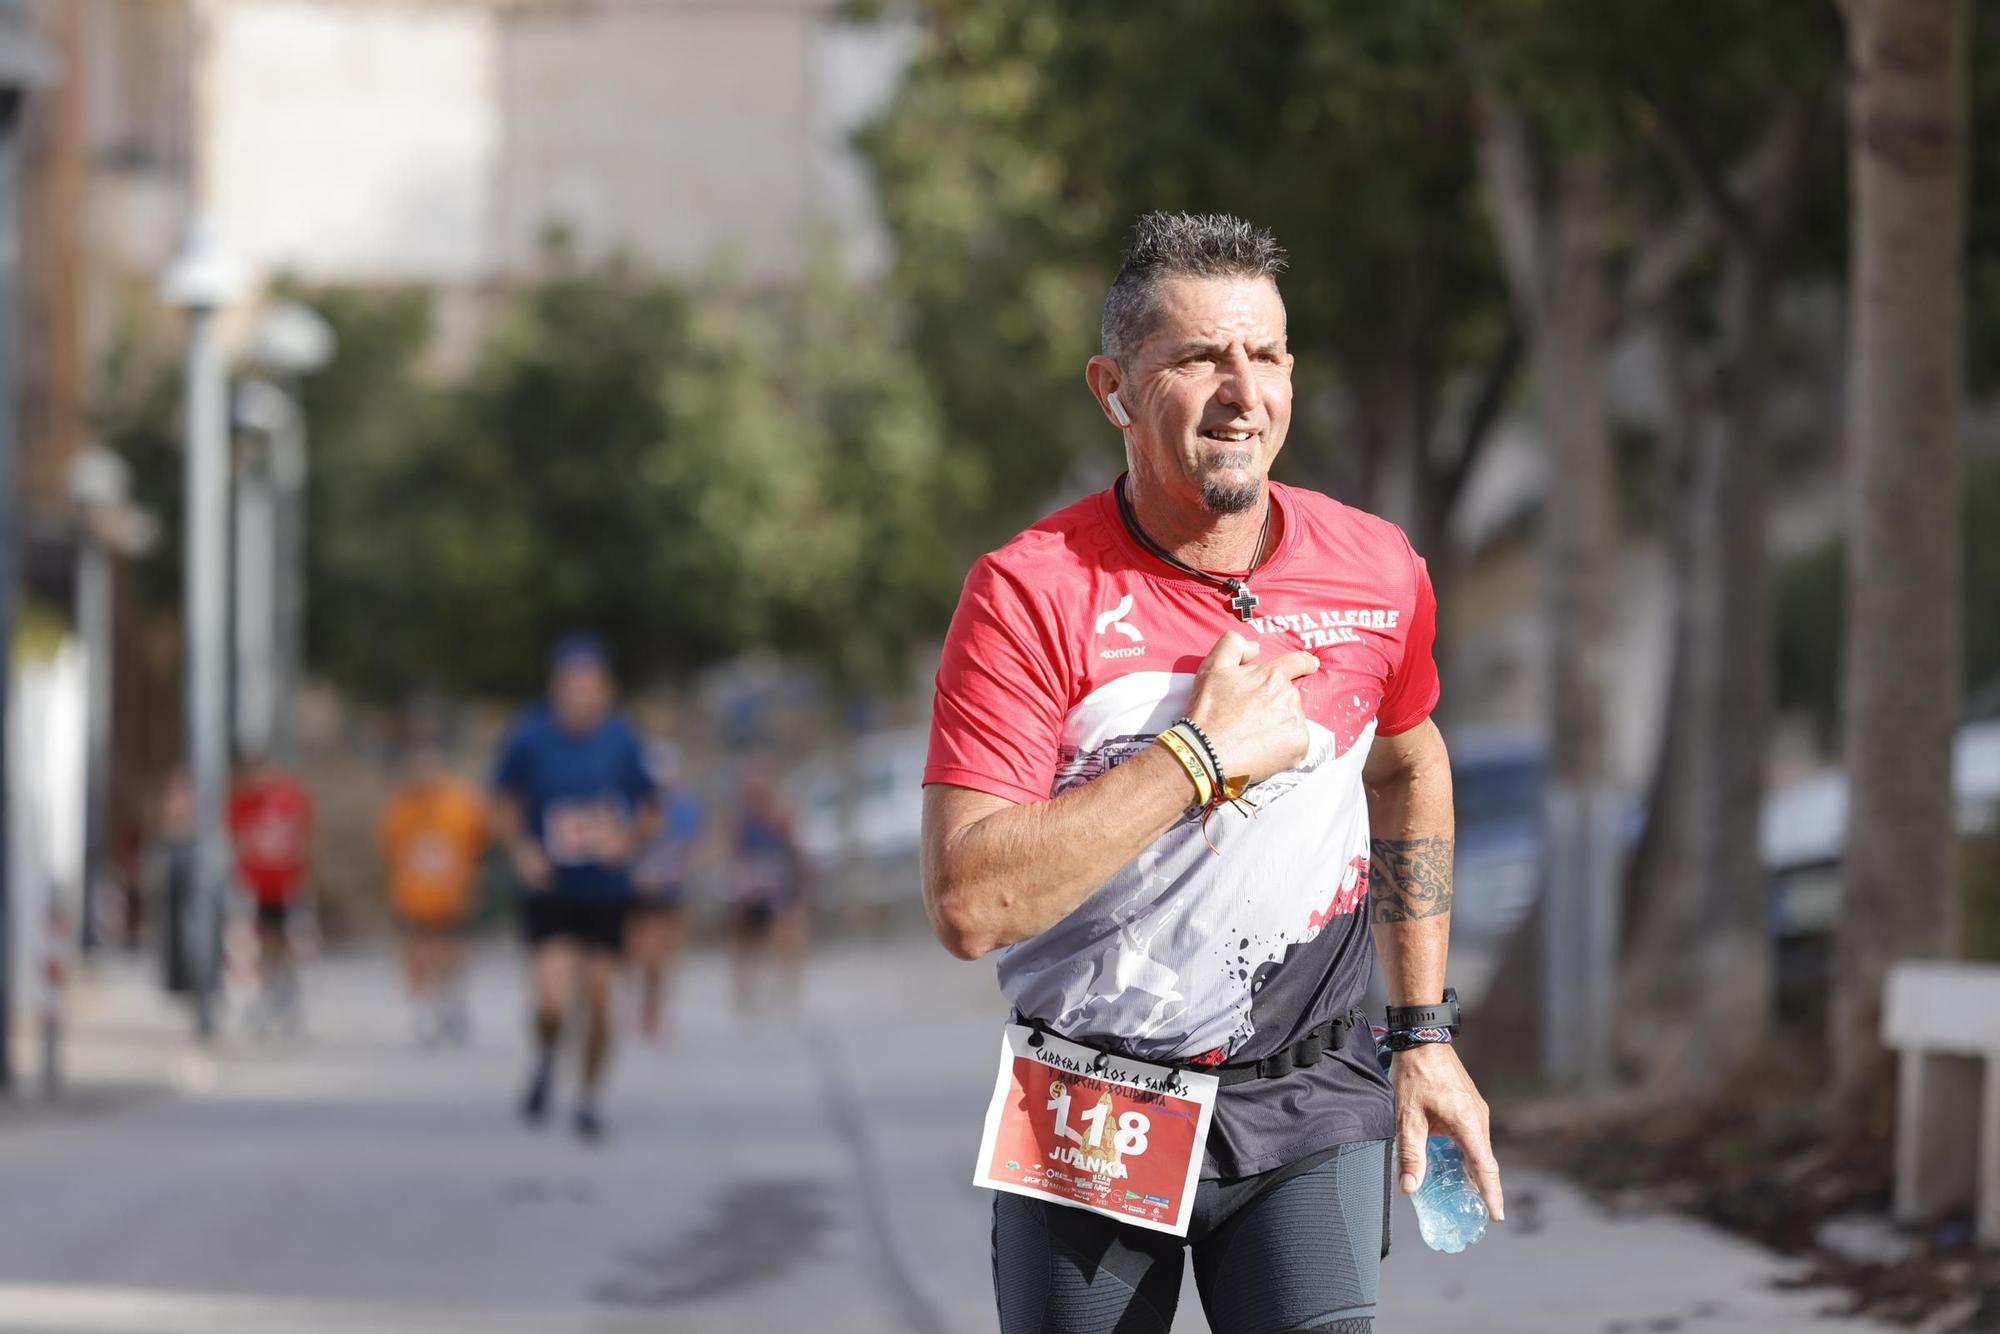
[[583, 833]]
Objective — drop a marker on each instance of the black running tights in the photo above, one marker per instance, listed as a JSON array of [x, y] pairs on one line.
[[1295, 1249]]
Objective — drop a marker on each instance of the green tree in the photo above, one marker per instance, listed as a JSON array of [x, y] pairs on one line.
[[1651, 173], [373, 485], [1027, 138], [1459, 184], [691, 472]]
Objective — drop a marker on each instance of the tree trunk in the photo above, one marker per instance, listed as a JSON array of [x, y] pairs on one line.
[[1735, 953], [1556, 256], [1699, 980], [1661, 888], [1908, 151], [1698, 984], [1581, 555]]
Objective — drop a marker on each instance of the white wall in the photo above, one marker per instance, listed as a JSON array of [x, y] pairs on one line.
[[352, 142], [45, 809], [669, 132], [384, 141]]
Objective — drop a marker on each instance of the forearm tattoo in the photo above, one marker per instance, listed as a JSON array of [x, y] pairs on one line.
[[1409, 877]]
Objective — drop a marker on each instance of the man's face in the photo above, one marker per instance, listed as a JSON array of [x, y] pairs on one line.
[[1210, 391], [581, 692]]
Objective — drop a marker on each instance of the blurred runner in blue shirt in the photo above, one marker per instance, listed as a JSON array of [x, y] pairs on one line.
[[658, 930], [573, 805]]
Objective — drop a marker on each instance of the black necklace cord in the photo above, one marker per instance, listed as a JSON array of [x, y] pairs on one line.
[[1238, 587]]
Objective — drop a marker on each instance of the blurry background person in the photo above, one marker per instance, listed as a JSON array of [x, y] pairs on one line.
[[573, 805], [767, 892], [271, 821], [432, 834], [167, 873], [657, 932]]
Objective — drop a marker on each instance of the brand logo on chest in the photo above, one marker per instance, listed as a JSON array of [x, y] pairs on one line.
[[1114, 620]]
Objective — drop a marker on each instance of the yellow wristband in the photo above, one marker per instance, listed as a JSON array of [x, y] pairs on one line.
[[1197, 772]]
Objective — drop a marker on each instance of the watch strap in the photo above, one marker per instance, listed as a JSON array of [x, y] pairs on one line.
[[1442, 1015]]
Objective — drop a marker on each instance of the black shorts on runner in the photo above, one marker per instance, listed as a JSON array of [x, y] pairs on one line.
[[598, 925], [1299, 1247], [273, 916], [757, 918], [658, 904]]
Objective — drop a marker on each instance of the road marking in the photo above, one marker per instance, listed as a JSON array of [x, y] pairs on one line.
[[919, 1314], [37, 1308]]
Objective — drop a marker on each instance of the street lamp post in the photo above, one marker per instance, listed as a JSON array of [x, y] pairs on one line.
[[25, 64], [292, 341], [200, 281], [264, 414]]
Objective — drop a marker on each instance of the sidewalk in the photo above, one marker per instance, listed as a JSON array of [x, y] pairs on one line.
[[123, 1042], [759, 1178]]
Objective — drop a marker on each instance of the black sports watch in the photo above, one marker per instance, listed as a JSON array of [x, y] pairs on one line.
[[1442, 1015]]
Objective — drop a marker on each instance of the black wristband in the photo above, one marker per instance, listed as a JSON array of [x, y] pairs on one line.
[[1442, 1015]]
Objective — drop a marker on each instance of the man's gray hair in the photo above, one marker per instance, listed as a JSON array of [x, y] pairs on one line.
[[1179, 245]]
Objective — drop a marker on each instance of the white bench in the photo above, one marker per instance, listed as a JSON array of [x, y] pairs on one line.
[[1943, 1021]]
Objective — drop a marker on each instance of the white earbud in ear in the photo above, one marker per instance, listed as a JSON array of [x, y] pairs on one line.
[[1118, 413]]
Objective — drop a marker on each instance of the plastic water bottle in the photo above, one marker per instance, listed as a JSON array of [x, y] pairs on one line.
[[1450, 1214]]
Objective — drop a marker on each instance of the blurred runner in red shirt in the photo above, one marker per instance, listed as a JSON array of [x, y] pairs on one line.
[[271, 820]]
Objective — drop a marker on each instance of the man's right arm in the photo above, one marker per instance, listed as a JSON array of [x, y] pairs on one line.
[[996, 872]]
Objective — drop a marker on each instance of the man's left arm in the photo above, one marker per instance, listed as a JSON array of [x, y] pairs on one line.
[[1408, 780]]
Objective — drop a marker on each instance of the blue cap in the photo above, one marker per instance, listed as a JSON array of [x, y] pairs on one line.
[[579, 650]]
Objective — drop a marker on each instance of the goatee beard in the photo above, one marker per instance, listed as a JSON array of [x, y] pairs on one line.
[[1220, 497]]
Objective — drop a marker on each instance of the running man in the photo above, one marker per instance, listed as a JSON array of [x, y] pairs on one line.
[[657, 933], [768, 893], [573, 804], [271, 823], [432, 835], [1112, 678]]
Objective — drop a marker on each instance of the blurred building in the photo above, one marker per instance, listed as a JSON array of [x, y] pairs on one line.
[[436, 142], [415, 143]]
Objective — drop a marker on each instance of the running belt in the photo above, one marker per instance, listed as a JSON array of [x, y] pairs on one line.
[[1300, 1055]]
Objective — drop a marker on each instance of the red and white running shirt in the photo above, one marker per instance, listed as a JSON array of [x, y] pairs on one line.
[[1071, 649]]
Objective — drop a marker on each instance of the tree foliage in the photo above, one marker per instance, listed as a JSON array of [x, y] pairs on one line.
[[689, 472], [1028, 136]]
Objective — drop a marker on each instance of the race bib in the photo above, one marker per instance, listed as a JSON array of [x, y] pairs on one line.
[[273, 838], [581, 833], [431, 857], [1118, 1137]]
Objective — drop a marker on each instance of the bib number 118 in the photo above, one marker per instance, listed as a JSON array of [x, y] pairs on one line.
[[1132, 1126]]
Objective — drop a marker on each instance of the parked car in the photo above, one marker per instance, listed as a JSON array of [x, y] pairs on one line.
[[1497, 782], [860, 815], [1804, 836]]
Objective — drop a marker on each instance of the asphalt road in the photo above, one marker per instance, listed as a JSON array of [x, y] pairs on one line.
[[812, 1176]]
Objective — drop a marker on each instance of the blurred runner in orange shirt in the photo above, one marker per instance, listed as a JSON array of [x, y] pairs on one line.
[[271, 821], [432, 835]]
